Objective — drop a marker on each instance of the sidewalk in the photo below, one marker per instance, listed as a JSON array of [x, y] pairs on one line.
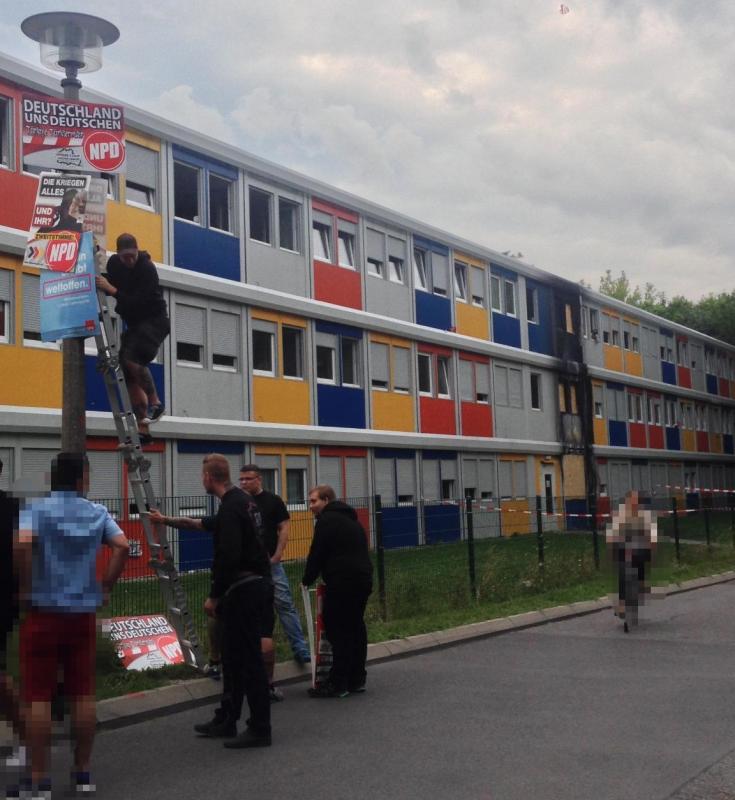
[[130, 709]]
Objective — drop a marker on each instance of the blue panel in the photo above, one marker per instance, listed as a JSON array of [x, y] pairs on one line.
[[441, 523], [506, 330], [400, 527], [207, 251], [692, 500], [338, 330], [196, 160], [727, 443], [666, 331], [195, 550], [436, 455], [618, 387], [540, 339], [428, 244], [340, 406], [576, 507], [204, 446], [712, 384], [673, 441], [618, 433], [385, 452], [503, 272], [433, 311], [96, 393], [668, 373]]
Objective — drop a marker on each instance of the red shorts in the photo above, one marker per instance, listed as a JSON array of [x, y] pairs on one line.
[[49, 640]]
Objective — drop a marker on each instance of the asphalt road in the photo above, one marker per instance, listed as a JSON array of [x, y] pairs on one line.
[[572, 709]]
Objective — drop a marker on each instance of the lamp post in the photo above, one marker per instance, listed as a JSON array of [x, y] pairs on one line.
[[71, 43]]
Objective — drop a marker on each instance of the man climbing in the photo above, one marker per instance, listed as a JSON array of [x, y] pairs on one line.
[[133, 281]]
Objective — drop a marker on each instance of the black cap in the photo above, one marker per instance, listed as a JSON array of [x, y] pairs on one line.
[[126, 241]]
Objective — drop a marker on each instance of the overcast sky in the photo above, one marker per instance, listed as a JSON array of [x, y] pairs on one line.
[[599, 138]]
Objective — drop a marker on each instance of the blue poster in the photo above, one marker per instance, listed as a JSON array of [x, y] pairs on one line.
[[69, 299]]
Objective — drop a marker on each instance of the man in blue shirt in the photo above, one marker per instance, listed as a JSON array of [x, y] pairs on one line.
[[57, 544]]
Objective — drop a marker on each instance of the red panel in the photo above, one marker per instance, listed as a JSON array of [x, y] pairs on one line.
[[724, 387], [603, 511], [437, 416], [684, 377], [432, 348], [354, 452], [656, 437], [109, 443], [328, 208], [637, 434], [337, 285], [703, 441], [633, 390], [473, 357], [477, 419], [136, 567]]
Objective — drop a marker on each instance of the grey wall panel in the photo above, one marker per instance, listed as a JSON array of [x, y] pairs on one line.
[[385, 480], [36, 465], [188, 475], [356, 477], [105, 474], [330, 472], [388, 298], [542, 425], [211, 394], [696, 354], [430, 485], [277, 269]]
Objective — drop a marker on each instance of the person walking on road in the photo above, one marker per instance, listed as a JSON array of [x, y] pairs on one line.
[[339, 553]]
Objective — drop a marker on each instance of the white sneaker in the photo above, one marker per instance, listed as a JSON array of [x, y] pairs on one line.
[[17, 759]]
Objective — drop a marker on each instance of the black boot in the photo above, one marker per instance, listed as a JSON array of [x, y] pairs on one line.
[[249, 738]]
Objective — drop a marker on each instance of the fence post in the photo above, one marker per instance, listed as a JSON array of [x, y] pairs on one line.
[[540, 532], [471, 544], [706, 527], [592, 505], [675, 521], [380, 556], [732, 516]]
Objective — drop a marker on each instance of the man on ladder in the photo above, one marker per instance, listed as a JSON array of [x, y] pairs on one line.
[[133, 281]]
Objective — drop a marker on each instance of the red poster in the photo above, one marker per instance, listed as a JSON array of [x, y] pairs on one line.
[[145, 642]]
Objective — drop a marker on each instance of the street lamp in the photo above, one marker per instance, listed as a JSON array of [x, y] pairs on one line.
[[71, 43]]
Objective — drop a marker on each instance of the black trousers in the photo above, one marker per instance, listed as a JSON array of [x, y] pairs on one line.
[[243, 670], [344, 611]]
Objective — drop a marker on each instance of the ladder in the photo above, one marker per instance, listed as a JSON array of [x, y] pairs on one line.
[[162, 561]]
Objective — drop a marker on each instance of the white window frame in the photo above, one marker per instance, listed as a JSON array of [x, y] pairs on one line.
[[297, 223], [396, 270], [443, 369], [333, 360], [375, 267], [230, 203], [301, 338], [429, 358], [252, 189], [532, 310], [273, 372], [323, 233], [354, 344], [198, 217], [539, 398], [512, 284], [461, 293], [421, 269], [346, 240]]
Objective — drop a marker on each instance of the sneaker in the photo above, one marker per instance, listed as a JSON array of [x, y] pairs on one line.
[[83, 786], [217, 728], [275, 694], [359, 689], [42, 791], [213, 670], [145, 438], [247, 739], [154, 414], [327, 690], [15, 757], [302, 658]]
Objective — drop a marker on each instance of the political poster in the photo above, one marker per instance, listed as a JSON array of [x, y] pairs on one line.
[[323, 645], [71, 135], [145, 642], [68, 301], [66, 206]]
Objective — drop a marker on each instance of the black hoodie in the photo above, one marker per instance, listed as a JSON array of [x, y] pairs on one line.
[[139, 296], [339, 550]]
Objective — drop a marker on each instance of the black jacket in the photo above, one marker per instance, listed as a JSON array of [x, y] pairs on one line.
[[139, 296], [8, 586], [339, 550]]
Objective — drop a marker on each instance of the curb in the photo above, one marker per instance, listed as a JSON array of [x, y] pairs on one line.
[[130, 709]]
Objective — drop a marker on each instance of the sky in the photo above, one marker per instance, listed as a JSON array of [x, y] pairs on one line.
[[597, 139]]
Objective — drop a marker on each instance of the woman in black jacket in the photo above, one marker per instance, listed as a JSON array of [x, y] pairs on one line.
[[339, 552]]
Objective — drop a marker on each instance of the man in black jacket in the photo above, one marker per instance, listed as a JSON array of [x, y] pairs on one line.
[[339, 552], [133, 281]]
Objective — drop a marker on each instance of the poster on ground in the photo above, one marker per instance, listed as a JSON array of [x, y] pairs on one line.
[[68, 301], [66, 206], [323, 645], [145, 642], [71, 135]]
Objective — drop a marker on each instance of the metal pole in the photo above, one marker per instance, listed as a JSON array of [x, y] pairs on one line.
[[706, 527], [471, 545], [73, 413], [592, 505], [732, 516], [380, 556], [539, 532], [675, 520]]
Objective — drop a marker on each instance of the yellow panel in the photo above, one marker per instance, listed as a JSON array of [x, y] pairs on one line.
[[573, 469], [282, 450], [143, 140], [553, 462], [393, 412], [146, 226], [300, 535], [9, 261], [38, 371], [476, 262], [613, 357], [274, 316], [515, 518], [382, 339], [633, 363], [688, 441], [472, 321], [600, 428], [280, 400], [715, 442]]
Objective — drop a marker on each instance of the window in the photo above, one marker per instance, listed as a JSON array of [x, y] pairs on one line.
[[379, 368], [477, 286], [482, 382], [448, 489], [31, 308], [260, 215], [186, 192], [425, 374], [605, 328], [293, 352], [375, 267], [350, 355], [325, 363], [474, 381], [395, 269], [460, 281], [594, 323], [631, 412], [509, 295], [597, 400], [296, 486], [532, 304], [682, 353], [439, 274], [225, 340], [419, 269], [220, 191], [495, 293], [635, 344], [5, 136], [141, 175], [584, 321], [442, 373], [6, 300], [615, 334], [190, 328], [289, 225], [568, 318], [401, 369], [536, 391], [322, 241], [626, 336], [264, 350], [346, 249]]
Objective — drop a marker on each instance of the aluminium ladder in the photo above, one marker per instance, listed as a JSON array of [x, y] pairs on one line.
[[161, 561]]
